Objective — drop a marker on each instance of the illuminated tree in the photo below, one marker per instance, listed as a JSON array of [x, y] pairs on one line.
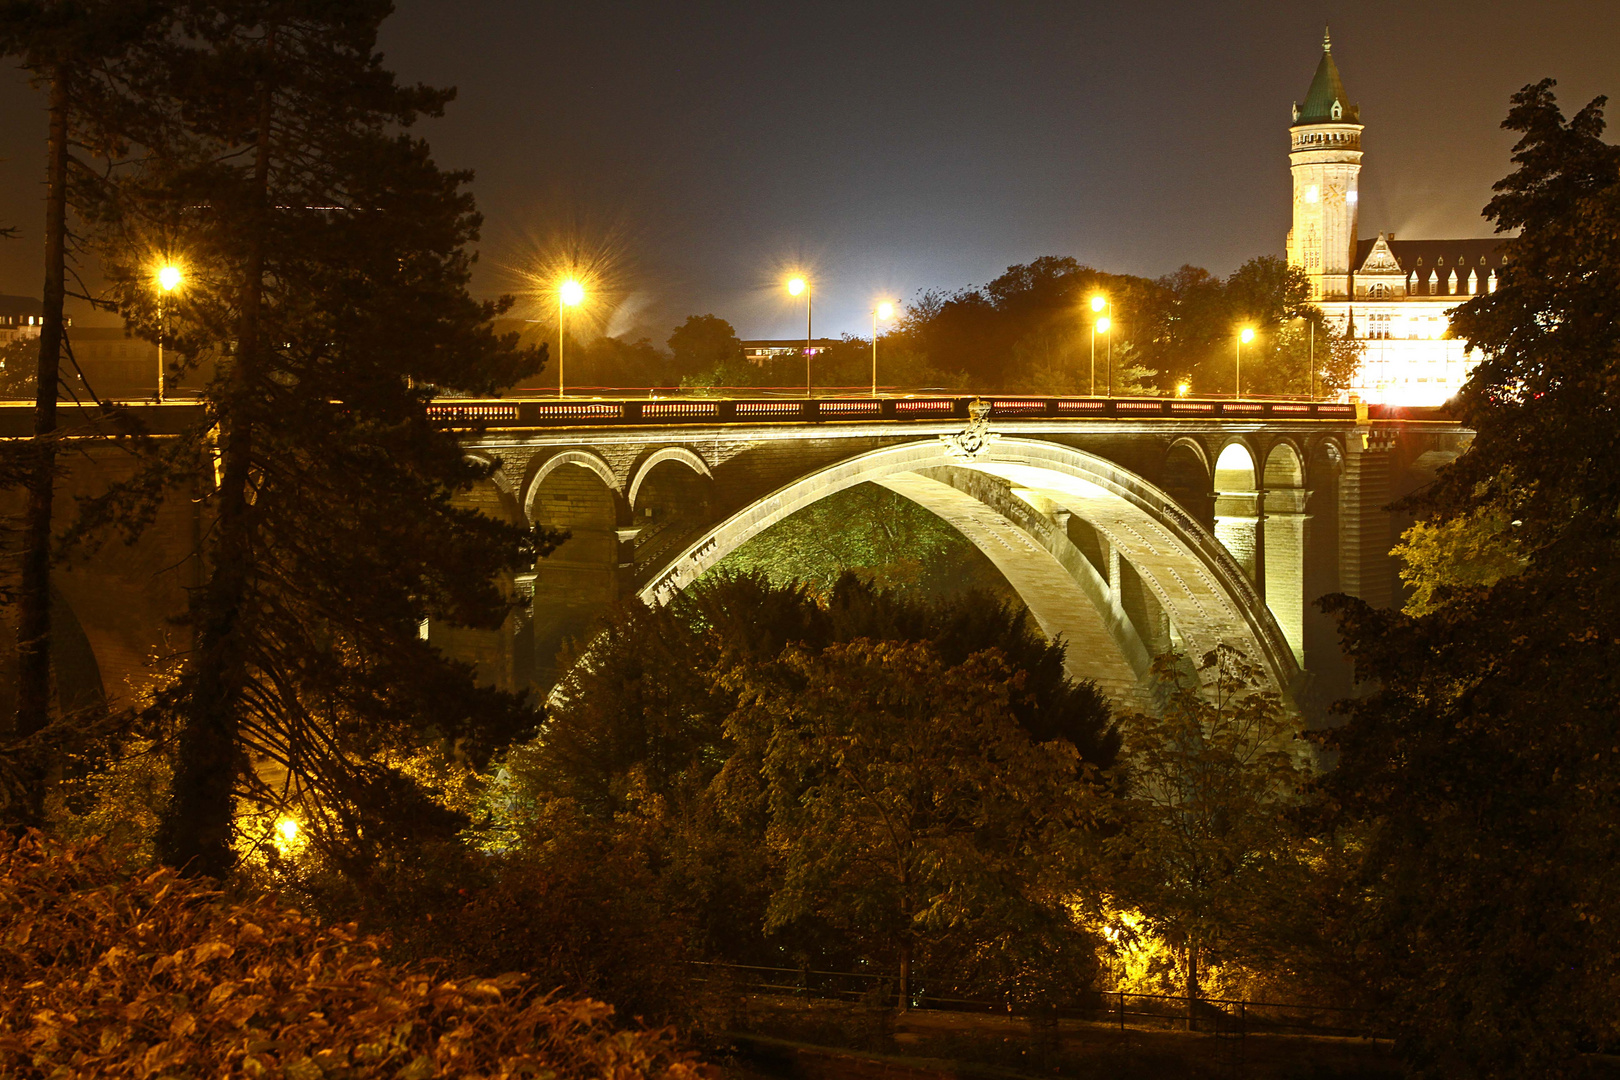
[[905, 799], [1211, 779]]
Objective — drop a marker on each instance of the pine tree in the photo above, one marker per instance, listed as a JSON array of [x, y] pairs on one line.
[[1482, 764], [86, 54], [327, 269]]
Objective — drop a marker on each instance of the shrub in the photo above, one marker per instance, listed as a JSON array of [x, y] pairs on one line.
[[108, 974]]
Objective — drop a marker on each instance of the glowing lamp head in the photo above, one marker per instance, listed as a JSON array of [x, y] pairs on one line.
[[1183, 389], [796, 286], [169, 278], [1246, 335], [885, 311], [287, 828], [1103, 324], [1098, 303], [571, 292]]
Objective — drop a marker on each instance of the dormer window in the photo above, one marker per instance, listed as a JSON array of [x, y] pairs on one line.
[[1338, 110]]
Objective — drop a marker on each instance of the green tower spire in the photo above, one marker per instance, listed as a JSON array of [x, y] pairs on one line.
[[1326, 102]]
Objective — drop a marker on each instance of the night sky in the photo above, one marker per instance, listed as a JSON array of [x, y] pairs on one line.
[[705, 148]]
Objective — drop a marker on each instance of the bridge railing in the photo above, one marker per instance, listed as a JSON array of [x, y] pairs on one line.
[[169, 418], [587, 412]]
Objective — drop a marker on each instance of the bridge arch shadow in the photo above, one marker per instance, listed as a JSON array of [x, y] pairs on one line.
[[1101, 556]]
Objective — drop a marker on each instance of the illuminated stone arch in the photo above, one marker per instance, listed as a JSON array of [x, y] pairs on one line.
[[1187, 476], [576, 493], [1283, 530], [658, 457], [500, 499], [1033, 507], [1237, 504], [585, 459]]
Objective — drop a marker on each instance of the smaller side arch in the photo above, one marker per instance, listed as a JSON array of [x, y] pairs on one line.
[[1237, 510], [1187, 477], [669, 453], [499, 477], [1285, 466], [583, 458], [1236, 467]]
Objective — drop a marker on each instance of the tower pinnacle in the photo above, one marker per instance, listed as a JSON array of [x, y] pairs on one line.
[[1325, 159]]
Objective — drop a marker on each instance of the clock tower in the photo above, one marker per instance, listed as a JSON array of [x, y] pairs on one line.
[[1325, 157]]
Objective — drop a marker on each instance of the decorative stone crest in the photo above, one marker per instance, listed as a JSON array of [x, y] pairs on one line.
[[975, 439]]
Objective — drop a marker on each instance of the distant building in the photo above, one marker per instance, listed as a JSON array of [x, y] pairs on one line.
[[20, 317], [101, 361], [1395, 295], [764, 349]]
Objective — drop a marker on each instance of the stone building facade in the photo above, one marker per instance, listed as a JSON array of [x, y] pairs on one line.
[[1395, 295]]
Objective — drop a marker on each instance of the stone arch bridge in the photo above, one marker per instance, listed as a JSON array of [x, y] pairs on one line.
[[1128, 526]]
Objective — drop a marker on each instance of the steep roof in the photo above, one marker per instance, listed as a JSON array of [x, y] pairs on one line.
[[1326, 90], [1423, 257]]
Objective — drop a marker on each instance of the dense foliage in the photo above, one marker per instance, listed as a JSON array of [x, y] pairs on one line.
[[1214, 776], [880, 536], [1481, 769], [108, 971], [682, 719]]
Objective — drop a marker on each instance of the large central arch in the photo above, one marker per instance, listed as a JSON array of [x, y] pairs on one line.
[[1019, 503]]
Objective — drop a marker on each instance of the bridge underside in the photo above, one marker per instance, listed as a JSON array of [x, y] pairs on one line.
[[1100, 556]]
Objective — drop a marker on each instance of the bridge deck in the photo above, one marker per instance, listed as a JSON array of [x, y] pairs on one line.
[[16, 417]]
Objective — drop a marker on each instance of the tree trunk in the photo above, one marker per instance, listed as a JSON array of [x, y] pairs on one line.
[[1192, 985], [905, 972], [198, 829], [34, 593]]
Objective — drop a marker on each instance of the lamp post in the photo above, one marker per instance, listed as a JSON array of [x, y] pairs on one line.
[[1103, 308], [1244, 336], [169, 278], [569, 294], [1097, 304], [798, 284], [884, 311], [1313, 359]]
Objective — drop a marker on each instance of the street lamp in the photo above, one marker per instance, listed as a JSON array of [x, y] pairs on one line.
[[169, 279], [884, 311], [569, 294], [1245, 336], [1103, 324], [799, 284]]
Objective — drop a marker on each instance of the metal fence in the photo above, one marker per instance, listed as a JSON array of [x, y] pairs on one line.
[[1123, 1009], [597, 412]]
